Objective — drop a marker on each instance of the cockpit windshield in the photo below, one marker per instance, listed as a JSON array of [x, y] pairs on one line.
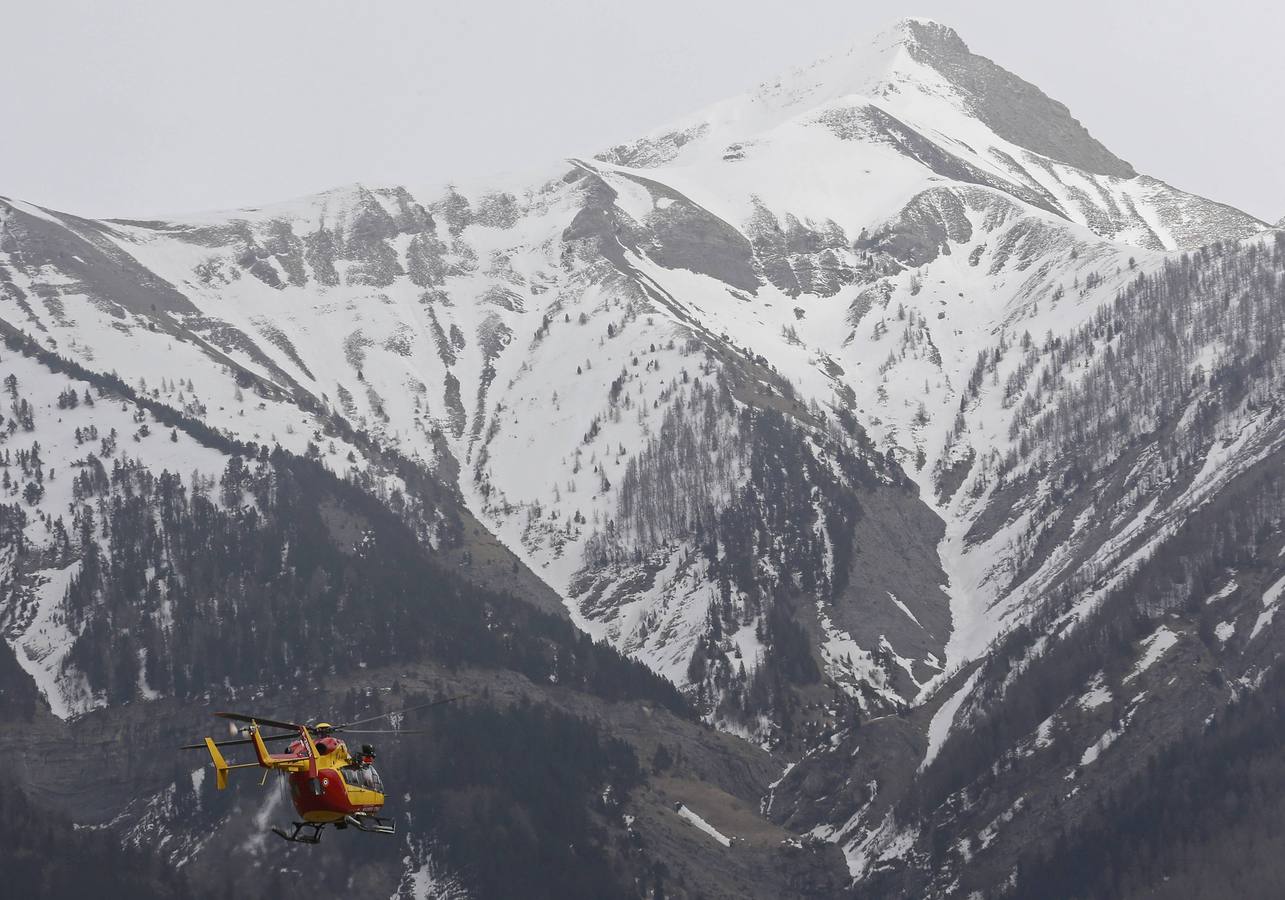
[[363, 777]]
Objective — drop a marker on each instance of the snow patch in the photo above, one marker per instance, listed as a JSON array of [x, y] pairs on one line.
[[1091, 754], [944, 718], [423, 878], [1271, 600], [885, 842], [1226, 591], [43, 645], [1097, 695], [1153, 647]]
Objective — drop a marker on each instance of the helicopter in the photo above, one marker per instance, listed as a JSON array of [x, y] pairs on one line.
[[329, 785]]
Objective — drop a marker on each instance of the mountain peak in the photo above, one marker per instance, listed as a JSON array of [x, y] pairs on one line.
[[913, 29], [1014, 109], [913, 57]]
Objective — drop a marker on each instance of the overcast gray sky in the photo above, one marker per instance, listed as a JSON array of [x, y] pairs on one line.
[[147, 107]]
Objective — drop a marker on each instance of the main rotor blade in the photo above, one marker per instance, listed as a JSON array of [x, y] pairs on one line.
[[238, 717], [266, 737], [398, 712], [387, 731]]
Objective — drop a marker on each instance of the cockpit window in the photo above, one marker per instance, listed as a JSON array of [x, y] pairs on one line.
[[363, 777]]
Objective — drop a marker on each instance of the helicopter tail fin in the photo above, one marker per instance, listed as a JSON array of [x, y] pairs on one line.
[[260, 748], [220, 764]]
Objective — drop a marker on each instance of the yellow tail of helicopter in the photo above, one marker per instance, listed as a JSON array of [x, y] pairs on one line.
[[221, 767]]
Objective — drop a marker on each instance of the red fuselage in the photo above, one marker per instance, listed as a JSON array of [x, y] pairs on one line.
[[336, 791]]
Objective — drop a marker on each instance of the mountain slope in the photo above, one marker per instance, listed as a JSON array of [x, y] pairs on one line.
[[866, 408], [193, 572]]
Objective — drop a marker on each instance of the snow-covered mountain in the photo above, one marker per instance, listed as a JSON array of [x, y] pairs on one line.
[[819, 401]]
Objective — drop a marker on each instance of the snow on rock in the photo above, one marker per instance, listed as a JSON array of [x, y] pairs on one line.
[[988, 834], [1153, 647], [32, 618], [1111, 735], [848, 663], [766, 801], [944, 719], [1038, 740], [42, 645], [1097, 695], [145, 691], [1097, 748], [1271, 601], [1043, 734], [887, 841], [423, 878], [1223, 593]]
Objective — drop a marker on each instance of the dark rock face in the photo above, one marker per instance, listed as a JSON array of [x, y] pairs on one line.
[[425, 260], [801, 258], [498, 210], [454, 404], [652, 151], [677, 234], [685, 235], [870, 122], [456, 211], [411, 217], [598, 229], [282, 243], [91, 262], [366, 236], [1014, 109], [895, 555], [917, 235]]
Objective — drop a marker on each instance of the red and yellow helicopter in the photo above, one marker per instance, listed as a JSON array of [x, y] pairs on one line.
[[328, 784]]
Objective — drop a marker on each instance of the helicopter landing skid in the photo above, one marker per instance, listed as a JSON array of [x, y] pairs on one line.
[[295, 837], [371, 824]]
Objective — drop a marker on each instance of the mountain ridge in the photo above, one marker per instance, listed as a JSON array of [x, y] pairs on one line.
[[364, 241], [897, 51]]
